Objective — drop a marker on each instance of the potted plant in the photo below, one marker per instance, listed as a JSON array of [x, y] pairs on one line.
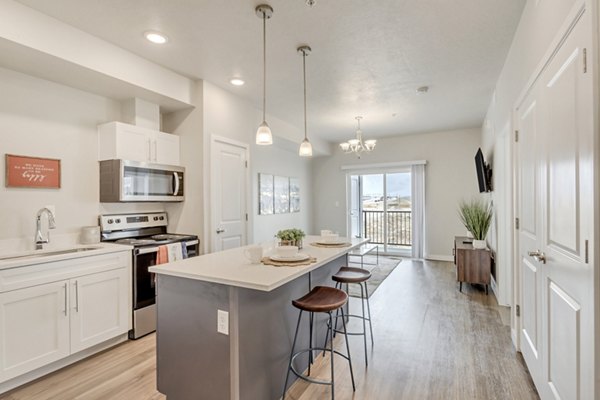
[[476, 215], [291, 237]]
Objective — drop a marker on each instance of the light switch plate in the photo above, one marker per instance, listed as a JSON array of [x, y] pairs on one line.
[[223, 322]]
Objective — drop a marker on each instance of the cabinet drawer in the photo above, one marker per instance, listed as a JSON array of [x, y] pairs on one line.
[[38, 274]]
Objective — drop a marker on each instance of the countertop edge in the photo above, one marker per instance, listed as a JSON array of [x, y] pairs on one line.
[[102, 248], [265, 288]]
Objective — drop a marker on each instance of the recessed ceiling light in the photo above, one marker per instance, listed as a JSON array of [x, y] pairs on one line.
[[237, 81], [422, 89], [156, 37]]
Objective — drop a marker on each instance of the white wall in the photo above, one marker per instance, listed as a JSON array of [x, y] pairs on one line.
[[43, 119], [540, 23], [230, 116], [276, 161], [450, 176], [188, 217]]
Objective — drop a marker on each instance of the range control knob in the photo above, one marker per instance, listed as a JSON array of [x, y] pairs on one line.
[[110, 221], [161, 218], [118, 221], [156, 218]]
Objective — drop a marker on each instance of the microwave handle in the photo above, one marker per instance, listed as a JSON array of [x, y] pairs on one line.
[[176, 178]]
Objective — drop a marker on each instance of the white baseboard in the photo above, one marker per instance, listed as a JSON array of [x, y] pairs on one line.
[[438, 257], [45, 370]]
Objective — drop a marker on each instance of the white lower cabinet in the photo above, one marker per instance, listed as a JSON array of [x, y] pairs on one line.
[[98, 308], [48, 322], [34, 327]]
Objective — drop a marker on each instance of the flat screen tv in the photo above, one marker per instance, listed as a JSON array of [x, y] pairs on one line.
[[484, 173]]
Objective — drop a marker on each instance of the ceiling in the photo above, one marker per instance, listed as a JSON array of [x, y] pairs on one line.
[[368, 57]]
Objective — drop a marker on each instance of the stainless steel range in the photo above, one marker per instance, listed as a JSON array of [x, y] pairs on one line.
[[146, 232]]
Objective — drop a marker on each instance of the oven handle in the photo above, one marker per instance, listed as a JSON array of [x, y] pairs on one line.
[[146, 250], [176, 178]]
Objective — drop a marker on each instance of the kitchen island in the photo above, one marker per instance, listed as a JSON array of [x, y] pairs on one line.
[[195, 361]]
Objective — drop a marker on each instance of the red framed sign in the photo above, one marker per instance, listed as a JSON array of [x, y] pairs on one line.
[[32, 172]]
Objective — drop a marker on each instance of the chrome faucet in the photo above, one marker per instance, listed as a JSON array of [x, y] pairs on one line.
[[39, 239]]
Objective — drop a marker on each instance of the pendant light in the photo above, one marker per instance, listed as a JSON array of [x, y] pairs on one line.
[[305, 147], [263, 134]]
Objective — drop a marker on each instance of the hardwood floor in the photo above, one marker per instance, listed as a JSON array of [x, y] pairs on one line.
[[431, 342]]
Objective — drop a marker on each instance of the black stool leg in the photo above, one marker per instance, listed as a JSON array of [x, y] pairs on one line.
[[362, 302], [310, 341], [337, 312], [332, 370], [348, 350], [369, 312], [287, 375]]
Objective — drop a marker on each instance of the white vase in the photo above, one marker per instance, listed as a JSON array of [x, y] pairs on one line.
[[479, 244]]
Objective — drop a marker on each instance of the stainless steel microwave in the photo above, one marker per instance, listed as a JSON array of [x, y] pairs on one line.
[[132, 181]]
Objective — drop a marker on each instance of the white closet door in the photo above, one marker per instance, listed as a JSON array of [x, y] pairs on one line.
[[556, 211]]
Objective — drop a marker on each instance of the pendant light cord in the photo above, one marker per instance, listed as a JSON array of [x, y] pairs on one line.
[[304, 69], [264, 66]]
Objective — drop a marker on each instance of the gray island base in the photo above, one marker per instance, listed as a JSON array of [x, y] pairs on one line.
[[196, 362]]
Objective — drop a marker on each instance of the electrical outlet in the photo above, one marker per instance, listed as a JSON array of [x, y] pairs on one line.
[[223, 322]]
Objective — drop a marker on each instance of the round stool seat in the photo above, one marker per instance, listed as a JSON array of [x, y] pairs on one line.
[[351, 275], [321, 299]]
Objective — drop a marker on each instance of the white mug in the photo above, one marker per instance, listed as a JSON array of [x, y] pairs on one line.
[[325, 232], [254, 254]]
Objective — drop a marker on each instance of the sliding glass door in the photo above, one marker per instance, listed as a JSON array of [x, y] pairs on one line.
[[381, 209]]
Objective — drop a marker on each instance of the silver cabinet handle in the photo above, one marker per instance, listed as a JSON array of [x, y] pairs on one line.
[[220, 230], [538, 255], [149, 151], [65, 309], [77, 296], [155, 151]]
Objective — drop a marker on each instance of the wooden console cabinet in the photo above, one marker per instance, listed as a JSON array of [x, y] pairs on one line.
[[472, 265]]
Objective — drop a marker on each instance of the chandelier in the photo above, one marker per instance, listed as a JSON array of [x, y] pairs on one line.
[[357, 145]]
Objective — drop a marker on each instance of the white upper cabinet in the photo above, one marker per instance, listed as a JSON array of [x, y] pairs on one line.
[[117, 140]]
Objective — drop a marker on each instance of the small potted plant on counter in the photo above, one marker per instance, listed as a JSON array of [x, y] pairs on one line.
[[291, 237], [476, 215]]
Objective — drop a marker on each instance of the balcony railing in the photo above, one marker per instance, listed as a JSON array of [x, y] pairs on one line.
[[399, 227]]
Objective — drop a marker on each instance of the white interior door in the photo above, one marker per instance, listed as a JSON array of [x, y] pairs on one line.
[[229, 182], [556, 213], [529, 233]]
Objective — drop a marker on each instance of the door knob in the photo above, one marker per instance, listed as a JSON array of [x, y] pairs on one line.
[[220, 230], [538, 256]]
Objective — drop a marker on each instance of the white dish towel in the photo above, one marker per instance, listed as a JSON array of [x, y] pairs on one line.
[[174, 252]]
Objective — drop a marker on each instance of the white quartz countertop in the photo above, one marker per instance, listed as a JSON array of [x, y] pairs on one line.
[[32, 257], [231, 267]]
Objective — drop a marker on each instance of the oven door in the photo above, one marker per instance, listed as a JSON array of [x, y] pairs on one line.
[[144, 282]]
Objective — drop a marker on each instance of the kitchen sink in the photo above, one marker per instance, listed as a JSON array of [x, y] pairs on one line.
[[41, 253]]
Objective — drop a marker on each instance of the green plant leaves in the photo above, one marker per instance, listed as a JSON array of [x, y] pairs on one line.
[[476, 216], [291, 234]]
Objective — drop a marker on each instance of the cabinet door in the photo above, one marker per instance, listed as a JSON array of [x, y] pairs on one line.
[[34, 328], [99, 308], [166, 149], [133, 143]]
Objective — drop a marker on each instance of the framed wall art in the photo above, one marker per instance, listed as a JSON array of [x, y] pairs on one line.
[[32, 172], [265, 194]]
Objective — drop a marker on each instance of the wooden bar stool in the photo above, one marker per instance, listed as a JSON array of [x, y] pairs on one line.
[[321, 299], [349, 275]]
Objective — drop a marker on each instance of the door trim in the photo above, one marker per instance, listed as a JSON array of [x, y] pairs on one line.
[[211, 226]]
